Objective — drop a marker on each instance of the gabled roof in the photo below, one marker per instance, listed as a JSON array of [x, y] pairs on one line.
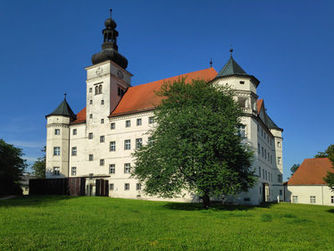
[[312, 172], [63, 109], [143, 97], [231, 68]]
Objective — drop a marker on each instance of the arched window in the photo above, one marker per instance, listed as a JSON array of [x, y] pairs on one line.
[[100, 89]]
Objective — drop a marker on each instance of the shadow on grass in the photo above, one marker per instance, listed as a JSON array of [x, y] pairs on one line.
[[331, 211], [213, 206], [36, 200]]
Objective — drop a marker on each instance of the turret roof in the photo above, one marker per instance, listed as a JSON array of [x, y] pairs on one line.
[[63, 109], [231, 68]]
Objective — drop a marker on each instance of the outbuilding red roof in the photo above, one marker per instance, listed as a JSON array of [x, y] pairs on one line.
[[312, 172], [143, 97]]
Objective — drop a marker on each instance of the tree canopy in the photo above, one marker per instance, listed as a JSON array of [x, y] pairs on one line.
[[11, 168], [39, 166], [329, 153], [195, 145], [294, 168]]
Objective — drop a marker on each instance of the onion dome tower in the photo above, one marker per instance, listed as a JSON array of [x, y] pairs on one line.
[[109, 47]]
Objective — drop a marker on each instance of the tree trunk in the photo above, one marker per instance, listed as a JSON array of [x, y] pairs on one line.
[[206, 201]]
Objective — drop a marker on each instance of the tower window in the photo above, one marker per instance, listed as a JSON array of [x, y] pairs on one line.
[[91, 102], [102, 102], [74, 151], [73, 171], [102, 121], [90, 135], [90, 116], [57, 131], [98, 89], [56, 151], [242, 82], [120, 91], [56, 170], [90, 90], [242, 131]]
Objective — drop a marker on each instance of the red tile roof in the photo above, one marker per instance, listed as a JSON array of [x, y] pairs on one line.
[[312, 172], [259, 105], [143, 97], [81, 117]]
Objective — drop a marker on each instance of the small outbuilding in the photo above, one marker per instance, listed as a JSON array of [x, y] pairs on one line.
[[307, 185]]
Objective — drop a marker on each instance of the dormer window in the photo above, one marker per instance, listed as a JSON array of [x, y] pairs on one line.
[[242, 82]]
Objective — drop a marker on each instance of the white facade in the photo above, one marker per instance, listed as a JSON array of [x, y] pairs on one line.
[[310, 194]]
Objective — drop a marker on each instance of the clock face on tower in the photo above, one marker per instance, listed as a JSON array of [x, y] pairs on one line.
[[120, 74]]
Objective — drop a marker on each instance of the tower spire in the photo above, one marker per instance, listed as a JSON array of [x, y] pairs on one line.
[[231, 52]]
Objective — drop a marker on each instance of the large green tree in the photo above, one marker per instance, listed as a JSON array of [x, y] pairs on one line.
[[11, 168], [39, 166], [195, 145], [294, 168]]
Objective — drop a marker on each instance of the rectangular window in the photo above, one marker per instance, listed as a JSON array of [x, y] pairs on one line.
[[90, 135], [138, 186], [56, 151], [102, 102], [312, 199], [74, 151], [101, 139], [127, 123], [102, 121], [90, 116], [112, 126], [127, 144], [262, 152], [280, 192], [56, 170], [265, 154], [90, 90], [91, 102], [278, 144], [120, 91], [138, 122], [259, 171], [266, 174], [258, 149], [57, 131], [242, 82], [151, 120], [279, 178], [332, 199], [112, 168], [139, 143], [242, 131], [73, 171], [127, 168], [112, 146], [279, 160], [126, 186], [111, 186], [263, 173], [74, 132], [294, 199], [101, 162], [90, 157]]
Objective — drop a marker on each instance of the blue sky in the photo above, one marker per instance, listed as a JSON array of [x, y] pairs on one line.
[[287, 45]]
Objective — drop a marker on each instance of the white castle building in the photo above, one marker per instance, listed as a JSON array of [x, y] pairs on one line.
[[98, 142]]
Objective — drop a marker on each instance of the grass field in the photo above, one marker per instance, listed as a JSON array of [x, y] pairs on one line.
[[99, 223]]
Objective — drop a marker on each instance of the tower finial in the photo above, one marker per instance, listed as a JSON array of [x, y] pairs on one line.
[[231, 51], [65, 95], [210, 63], [110, 12]]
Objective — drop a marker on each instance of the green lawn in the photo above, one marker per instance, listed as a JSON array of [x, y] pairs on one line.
[[99, 223]]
